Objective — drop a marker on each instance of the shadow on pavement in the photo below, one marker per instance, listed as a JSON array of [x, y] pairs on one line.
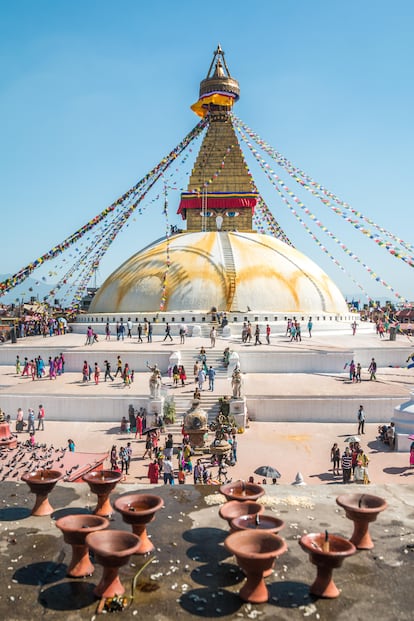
[[14, 513], [71, 595], [37, 574], [210, 604]]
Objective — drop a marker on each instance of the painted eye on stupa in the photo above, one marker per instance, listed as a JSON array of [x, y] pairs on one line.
[[207, 214], [232, 214]]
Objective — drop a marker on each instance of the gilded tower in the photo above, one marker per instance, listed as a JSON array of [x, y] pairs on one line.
[[220, 195]]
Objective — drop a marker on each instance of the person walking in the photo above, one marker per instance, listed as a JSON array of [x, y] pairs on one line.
[[358, 373], [139, 329], [85, 371], [121, 330], [89, 336], [138, 426], [114, 457], [335, 458], [169, 447], [196, 370], [182, 374], [128, 456], [201, 377], [41, 418], [346, 465], [153, 472], [96, 373], [168, 332], [257, 340], [30, 421], [168, 472], [372, 369], [118, 366], [122, 456], [107, 332], [148, 447], [211, 377], [108, 371], [149, 337], [126, 375], [26, 370], [182, 334], [213, 334], [129, 328], [361, 420], [71, 446], [234, 448], [310, 326], [352, 371], [268, 332]]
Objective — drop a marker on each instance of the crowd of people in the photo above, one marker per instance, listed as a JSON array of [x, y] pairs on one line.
[[123, 370], [36, 368], [351, 463]]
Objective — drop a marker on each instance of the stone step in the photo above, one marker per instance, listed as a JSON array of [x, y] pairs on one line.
[[209, 403], [213, 358]]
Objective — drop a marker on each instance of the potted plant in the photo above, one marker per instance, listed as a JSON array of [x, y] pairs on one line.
[[169, 411]]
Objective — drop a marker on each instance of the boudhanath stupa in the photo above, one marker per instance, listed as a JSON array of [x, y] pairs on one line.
[[220, 261]]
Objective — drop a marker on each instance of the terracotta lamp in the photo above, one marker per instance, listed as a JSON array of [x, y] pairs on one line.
[[75, 528], [41, 483], [234, 508], [101, 483], [269, 523], [7, 439], [361, 509], [255, 552], [241, 491], [138, 510], [112, 549], [327, 552]]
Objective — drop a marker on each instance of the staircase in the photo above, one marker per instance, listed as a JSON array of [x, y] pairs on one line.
[[230, 268], [209, 400]]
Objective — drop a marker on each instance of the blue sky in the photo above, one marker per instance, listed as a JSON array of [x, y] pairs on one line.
[[94, 93]]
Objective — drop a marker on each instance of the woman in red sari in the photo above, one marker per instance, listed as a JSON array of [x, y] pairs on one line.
[[153, 472]]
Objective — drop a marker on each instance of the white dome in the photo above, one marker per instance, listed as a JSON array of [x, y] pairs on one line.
[[229, 271]]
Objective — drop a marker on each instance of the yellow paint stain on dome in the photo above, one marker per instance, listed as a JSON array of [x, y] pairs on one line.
[[266, 271]]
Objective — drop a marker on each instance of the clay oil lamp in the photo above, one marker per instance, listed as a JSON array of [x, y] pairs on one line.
[[112, 549], [41, 484], [138, 510], [327, 552], [101, 483], [8, 440], [242, 491], [255, 552], [234, 508], [269, 523], [361, 509], [75, 528]]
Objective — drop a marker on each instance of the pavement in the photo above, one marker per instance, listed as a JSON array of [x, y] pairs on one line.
[[290, 447], [192, 576]]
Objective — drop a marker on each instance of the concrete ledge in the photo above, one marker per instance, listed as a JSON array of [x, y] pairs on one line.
[[319, 409]]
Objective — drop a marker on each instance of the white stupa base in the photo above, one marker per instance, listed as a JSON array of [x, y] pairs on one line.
[[238, 409], [155, 408], [404, 424]]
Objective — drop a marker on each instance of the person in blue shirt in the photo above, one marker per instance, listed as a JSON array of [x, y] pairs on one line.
[[211, 376]]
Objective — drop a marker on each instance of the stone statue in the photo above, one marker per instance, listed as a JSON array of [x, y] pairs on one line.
[[236, 383], [155, 382]]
